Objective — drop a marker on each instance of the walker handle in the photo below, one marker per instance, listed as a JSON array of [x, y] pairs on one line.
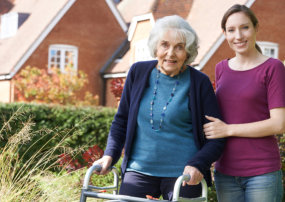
[[187, 178], [98, 167]]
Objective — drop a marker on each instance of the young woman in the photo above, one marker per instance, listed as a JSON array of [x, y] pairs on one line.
[[160, 118], [251, 95]]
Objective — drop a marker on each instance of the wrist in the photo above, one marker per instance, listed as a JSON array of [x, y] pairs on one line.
[[230, 130]]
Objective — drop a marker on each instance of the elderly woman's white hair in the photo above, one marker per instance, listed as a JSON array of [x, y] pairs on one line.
[[182, 28]]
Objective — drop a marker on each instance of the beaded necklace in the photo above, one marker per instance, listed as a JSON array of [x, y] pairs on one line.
[[162, 115]]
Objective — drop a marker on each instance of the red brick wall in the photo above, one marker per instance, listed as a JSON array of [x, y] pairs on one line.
[[6, 6], [223, 52], [172, 7], [271, 16], [91, 26]]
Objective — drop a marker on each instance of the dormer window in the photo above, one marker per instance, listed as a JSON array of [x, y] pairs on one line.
[[9, 24], [62, 57], [268, 48], [141, 51]]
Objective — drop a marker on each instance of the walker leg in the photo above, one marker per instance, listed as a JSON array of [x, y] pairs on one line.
[[83, 197]]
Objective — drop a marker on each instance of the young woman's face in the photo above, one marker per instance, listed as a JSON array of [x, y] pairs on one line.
[[171, 53], [240, 33]]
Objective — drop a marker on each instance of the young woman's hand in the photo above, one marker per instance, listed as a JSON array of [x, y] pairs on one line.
[[216, 128]]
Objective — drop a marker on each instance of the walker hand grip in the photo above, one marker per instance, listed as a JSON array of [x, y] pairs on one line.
[[186, 178], [87, 189], [97, 167]]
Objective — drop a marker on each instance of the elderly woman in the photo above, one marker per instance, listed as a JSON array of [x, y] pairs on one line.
[[160, 118]]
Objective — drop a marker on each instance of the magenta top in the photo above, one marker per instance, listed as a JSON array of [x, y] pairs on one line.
[[244, 97]]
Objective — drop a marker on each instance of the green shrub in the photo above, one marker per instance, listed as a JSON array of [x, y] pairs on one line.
[[20, 169], [25, 169], [80, 127]]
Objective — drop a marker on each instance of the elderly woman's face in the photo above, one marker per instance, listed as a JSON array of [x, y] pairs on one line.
[[171, 53]]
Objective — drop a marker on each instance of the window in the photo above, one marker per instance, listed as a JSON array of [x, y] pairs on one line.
[[141, 51], [268, 48], [9, 24], [62, 57]]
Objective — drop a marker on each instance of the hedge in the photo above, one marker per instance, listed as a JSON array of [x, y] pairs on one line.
[[80, 126]]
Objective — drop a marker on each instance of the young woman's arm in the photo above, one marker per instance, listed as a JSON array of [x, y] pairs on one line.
[[274, 125]]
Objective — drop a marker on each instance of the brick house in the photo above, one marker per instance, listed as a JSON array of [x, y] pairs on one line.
[[270, 35], [205, 17], [42, 33]]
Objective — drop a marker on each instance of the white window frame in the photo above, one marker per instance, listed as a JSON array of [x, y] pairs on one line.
[[269, 47], [141, 51], [9, 25], [62, 58]]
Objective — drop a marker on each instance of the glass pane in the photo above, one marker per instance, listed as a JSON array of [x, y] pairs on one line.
[[54, 58], [266, 52], [272, 52], [69, 59], [52, 53]]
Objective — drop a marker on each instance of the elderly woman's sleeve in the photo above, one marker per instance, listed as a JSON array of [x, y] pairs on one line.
[[117, 133], [210, 150]]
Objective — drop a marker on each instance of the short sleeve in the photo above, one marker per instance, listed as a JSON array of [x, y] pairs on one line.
[[218, 72], [276, 85]]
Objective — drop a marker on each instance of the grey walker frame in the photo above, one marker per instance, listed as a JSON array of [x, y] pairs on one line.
[[89, 190]]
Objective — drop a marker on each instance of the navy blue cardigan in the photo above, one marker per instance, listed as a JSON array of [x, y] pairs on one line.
[[202, 101]]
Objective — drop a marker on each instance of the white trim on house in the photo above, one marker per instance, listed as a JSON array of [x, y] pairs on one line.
[[134, 22], [272, 47], [217, 44], [117, 75], [63, 59], [117, 14], [211, 52], [39, 40], [5, 77], [249, 3]]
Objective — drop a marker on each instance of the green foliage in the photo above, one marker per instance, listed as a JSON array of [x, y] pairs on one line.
[[79, 126], [19, 170], [281, 139], [26, 161], [212, 195], [67, 186]]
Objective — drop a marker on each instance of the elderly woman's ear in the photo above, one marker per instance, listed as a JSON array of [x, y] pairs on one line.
[[188, 56]]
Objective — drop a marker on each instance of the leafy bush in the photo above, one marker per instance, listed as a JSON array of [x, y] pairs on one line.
[[281, 139], [81, 127], [85, 160], [20, 169], [117, 86], [26, 173], [40, 85]]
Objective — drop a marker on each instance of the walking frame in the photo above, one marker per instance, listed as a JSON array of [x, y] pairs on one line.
[[89, 190]]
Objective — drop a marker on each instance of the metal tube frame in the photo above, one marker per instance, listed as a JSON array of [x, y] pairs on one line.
[[87, 189]]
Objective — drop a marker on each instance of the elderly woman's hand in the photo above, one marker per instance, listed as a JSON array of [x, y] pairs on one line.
[[195, 175], [105, 162], [216, 128]]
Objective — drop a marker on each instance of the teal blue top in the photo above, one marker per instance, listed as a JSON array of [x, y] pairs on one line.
[[153, 152]]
